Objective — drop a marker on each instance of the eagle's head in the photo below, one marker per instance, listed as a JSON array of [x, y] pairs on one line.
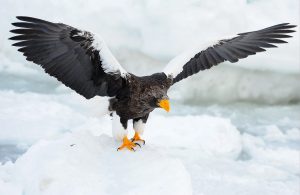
[[159, 91], [151, 91], [161, 100]]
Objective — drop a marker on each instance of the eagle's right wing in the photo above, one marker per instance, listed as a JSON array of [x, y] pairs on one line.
[[77, 58], [231, 50]]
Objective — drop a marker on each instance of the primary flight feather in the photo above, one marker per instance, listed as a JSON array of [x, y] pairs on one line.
[[82, 61]]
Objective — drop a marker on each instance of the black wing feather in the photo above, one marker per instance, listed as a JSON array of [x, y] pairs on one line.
[[239, 47], [67, 54]]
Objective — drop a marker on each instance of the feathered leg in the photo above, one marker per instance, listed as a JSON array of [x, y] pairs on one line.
[[139, 127], [119, 131]]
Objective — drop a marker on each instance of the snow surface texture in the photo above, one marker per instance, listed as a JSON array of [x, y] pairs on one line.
[[53, 141]]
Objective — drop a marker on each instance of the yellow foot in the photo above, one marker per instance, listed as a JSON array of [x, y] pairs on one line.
[[127, 144], [137, 138]]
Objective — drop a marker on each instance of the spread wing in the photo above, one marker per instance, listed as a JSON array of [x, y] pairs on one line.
[[231, 50], [79, 59]]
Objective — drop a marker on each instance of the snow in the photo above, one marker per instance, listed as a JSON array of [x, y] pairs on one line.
[[28, 111], [226, 84], [81, 163], [221, 140]]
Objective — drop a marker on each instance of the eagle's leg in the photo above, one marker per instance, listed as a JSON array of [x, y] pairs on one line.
[[119, 131], [139, 126]]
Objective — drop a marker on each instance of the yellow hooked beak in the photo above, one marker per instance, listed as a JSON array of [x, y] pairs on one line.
[[164, 104]]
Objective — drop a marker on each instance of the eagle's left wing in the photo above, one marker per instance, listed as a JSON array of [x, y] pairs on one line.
[[77, 58], [231, 50]]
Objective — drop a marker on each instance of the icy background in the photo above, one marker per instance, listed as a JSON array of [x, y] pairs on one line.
[[234, 129]]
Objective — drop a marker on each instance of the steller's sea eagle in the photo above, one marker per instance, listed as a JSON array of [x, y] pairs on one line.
[[83, 62]]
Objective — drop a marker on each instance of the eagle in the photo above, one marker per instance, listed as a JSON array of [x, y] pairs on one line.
[[82, 61]]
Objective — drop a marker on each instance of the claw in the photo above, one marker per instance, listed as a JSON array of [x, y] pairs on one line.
[[137, 144], [136, 138], [140, 140], [131, 149]]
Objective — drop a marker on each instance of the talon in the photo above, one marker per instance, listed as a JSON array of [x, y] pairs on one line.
[[137, 144], [136, 138], [127, 144]]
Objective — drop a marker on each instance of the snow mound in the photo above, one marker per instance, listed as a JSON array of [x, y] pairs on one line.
[[280, 156], [80, 163], [209, 136], [37, 116]]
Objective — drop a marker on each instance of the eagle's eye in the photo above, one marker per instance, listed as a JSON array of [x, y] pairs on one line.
[[154, 102]]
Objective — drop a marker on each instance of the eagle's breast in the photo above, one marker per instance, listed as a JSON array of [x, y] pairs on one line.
[[142, 94]]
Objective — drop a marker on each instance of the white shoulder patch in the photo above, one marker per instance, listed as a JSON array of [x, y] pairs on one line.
[[175, 66], [109, 63]]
